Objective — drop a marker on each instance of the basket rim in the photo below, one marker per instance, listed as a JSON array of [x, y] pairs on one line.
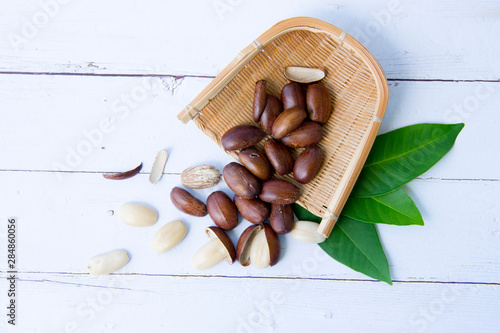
[[335, 206]]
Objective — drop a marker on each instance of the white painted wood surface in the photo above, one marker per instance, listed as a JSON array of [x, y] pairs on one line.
[[96, 58]]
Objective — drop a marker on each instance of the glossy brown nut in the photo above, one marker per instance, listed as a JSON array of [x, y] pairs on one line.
[[274, 244], [319, 104], [218, 233], [222, 210], [241, 181], [271, 112], [279, 156], [256, 162], [287, 121], [282, 219], [307, 164], [244, 242], [281, 192], [292, 95], [259, 100], [186, 203], [240, 137], [308, 134], [253, 210]]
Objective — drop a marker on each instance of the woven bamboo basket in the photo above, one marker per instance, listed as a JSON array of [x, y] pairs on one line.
[[357, 86]]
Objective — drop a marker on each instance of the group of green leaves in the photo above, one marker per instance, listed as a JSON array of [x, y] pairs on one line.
[[396, 158]]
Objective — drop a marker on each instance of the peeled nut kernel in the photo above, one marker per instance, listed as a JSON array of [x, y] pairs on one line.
[[307, 134], [259, 100], [222, 210], [186, 203], [319, 104], [241, 181], [200, 176], [256, 162], [220, 247], [137, 215], [304, 74], [287, 121], [292, 95], [282, 219], [108, 262], [305, 231], [259, 245], [279, 156], [271, 112], [253, 210], [281, 192], [240, 137], [169, 236], [307, 164]]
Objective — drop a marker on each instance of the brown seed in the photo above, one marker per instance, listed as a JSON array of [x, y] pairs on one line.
[[222, 210], [319, 104], [241, 181], [274, 244], [123, 175], [292, 95], [186, 203], [308, 134], [271, 112], [260, 245], [287, 121], [240, 137], [256, 162], [253, 210], [281, 192], [259, 100], [279, 156], [244, 243], [307, 164], [282, 219]]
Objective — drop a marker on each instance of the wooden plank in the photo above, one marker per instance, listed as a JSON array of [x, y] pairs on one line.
[[428, 39], [63, 123], [70, 221], [150, 304]]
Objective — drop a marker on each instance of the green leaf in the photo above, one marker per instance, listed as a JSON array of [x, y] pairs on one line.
[[395, 208], [354, 244], [399, 156]]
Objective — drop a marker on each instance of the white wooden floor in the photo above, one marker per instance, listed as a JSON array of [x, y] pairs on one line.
[[71, 77]]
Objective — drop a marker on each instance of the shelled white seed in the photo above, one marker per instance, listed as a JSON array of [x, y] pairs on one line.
[[305, 231], [169, 236], [137, 215], [108, 262]]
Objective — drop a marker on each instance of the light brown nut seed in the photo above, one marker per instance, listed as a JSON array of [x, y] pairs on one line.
[[253, 210], [287, 121], [271, 112], [200, 176], [279, 192]]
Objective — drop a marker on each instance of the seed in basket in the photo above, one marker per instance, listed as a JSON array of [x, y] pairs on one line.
[[292, 95], [240, 137], [186, 203], [319, 103], [259, 100], [241, 181], [256, 162], [279, 156], [281, 192], [222, 210], [271, 112], [282, 219], [252, 210], [304, 74], [307, 164], [307, 134], [287, 121]]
